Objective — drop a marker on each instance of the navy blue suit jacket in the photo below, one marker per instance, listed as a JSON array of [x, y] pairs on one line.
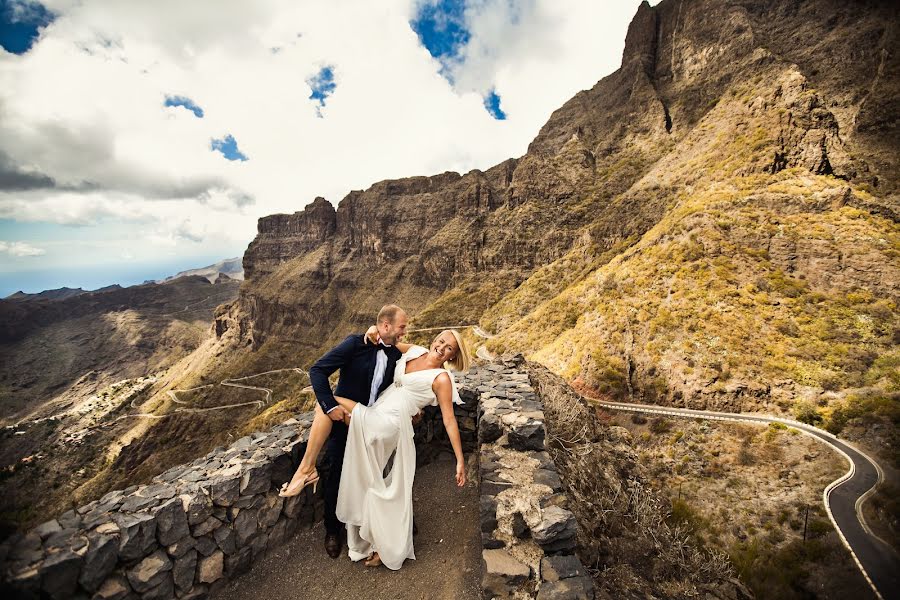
[[356, 361]]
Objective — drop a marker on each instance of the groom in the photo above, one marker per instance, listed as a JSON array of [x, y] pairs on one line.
[[366, 371]]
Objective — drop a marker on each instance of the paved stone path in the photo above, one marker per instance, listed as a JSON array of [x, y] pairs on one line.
[[447, 565]]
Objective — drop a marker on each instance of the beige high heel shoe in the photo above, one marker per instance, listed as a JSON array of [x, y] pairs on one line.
[[373, 561], [312, 478]]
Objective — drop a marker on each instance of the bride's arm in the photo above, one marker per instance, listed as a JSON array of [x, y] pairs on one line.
[[372, 337], [443, 389]]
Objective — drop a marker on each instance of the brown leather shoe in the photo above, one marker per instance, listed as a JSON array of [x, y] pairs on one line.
[[333, 545]]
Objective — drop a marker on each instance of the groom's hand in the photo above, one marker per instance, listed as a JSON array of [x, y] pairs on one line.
[[338, 414], [416, 418]]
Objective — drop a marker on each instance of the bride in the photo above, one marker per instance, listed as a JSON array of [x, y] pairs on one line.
[[378, 510]]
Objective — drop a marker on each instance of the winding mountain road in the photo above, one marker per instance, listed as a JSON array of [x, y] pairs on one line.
[[173, 394], [843, 497]]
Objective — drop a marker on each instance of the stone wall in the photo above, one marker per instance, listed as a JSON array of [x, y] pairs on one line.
[[198, 525], [182, 535], [528, 533]]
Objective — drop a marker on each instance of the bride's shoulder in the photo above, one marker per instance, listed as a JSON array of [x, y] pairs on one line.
[[415, 350]]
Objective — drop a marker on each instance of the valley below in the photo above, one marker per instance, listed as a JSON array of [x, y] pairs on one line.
[[752, 492]]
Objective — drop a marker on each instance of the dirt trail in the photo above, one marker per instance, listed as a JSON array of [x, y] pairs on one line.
[[447, 565]]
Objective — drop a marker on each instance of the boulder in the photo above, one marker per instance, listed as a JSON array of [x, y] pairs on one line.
[[501, 573], [528, 436], [282, 469], [171, 521], [181, 546], [575, 588], [554, 568], [205, 545], [225, 486], [137, 534], [225, 539], [70, 539], [163, 491], [59, 574], [270, 510], [200, 591], [293, 505], [489, 428], [209, 568], [258, 545], [278, 533], [548, 477], [99, 560], [256, 479], [556, 530], [135, 503], [70, 519], [183, 570], [198, 506], [150, 572], [245, 526], [488, 513], [45, 529], [205, 527], [115, 587], [164, 590], [239, 562], [27, 549]]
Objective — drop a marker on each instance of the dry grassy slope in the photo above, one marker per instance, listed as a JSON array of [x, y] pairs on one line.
[[712, 224], [99, 338], [751, 283], [64, 369], [745, 490]]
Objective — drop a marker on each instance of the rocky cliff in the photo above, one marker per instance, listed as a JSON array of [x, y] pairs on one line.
[[744, 149]]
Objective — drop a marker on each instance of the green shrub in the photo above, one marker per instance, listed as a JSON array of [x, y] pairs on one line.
[[660, 425], [609, 375], [817, 528], [863, 405], [806, 412]]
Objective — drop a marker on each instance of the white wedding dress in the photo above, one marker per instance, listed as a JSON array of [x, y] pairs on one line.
[[376, 509]]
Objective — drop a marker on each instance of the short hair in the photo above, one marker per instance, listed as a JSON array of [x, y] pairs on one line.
[[463, 359], [389, 313]]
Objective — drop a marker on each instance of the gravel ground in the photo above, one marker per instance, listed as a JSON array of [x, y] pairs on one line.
[[448, 551]]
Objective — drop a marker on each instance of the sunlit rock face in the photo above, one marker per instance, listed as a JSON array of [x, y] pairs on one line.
[[719, 109]]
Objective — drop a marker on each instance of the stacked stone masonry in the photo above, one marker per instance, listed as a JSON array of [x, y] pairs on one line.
[[199, 525], [528, 534]]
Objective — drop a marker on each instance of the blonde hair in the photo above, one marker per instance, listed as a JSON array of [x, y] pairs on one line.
[[463, 359]]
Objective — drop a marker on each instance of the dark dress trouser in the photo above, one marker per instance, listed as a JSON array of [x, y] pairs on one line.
[[334, 458]]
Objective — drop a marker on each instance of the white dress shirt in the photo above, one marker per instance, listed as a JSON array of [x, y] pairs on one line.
[[380, 368]]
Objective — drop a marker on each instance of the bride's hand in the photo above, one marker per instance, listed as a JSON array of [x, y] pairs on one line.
[[371, 335], [460, 473]]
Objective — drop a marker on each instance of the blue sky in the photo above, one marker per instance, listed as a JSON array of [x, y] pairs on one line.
[[186, 103], [20, 23], [137, 136]]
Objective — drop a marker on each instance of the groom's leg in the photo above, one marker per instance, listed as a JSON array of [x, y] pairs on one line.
[[335, 457]]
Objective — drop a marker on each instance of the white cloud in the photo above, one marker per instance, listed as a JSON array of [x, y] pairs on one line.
[[89, 141], [20, 249]]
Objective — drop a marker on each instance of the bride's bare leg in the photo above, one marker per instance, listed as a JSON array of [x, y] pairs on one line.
[[306, 472]]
